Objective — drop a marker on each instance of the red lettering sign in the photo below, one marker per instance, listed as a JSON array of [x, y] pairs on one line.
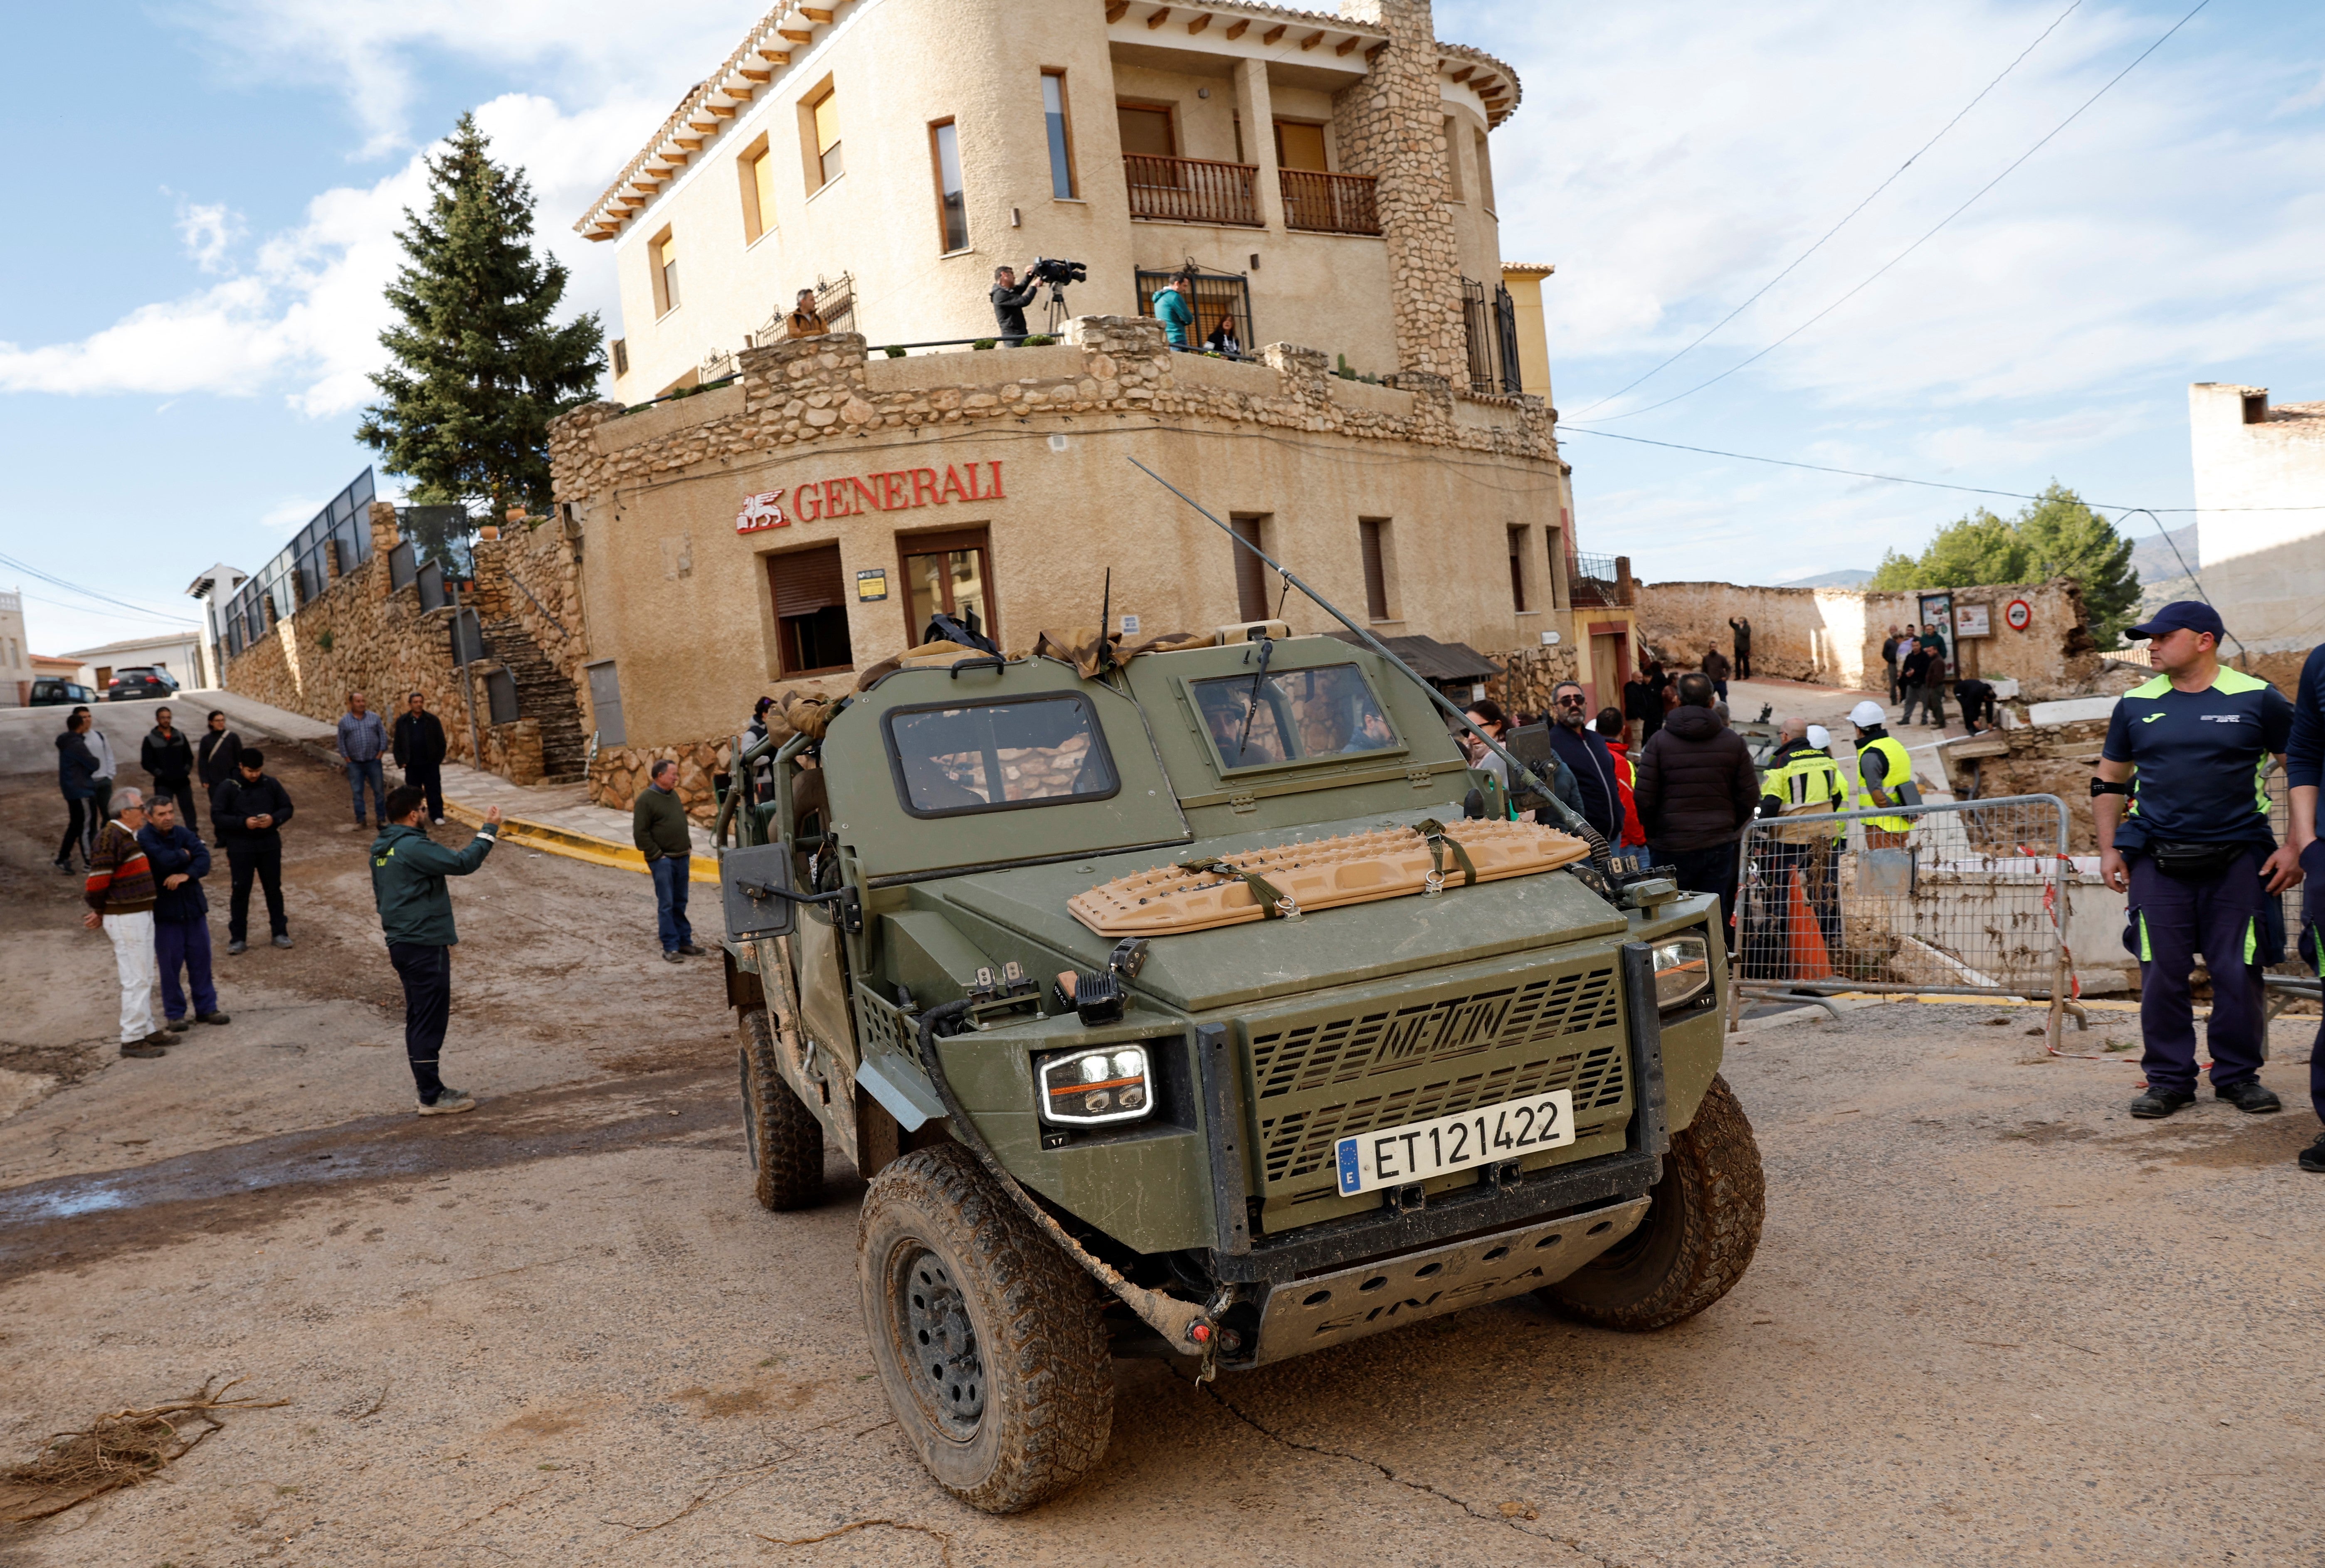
[[895, 490]]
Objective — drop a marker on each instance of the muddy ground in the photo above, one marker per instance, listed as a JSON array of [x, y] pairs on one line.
[[1991, 1318]]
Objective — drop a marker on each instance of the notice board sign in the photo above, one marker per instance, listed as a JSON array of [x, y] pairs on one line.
[[1973, 621]]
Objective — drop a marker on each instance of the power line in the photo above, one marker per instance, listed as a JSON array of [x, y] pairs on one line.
[[1940, 224], [56, 582], [1844, 223], [1924, 484], [83, 610]]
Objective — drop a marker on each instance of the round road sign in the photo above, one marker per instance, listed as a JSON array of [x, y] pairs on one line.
[[2019, 615]]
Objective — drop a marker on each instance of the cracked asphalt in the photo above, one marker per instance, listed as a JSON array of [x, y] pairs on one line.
[[1991, 1318]]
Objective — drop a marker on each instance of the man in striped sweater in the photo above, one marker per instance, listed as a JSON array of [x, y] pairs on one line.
[[120, 897]]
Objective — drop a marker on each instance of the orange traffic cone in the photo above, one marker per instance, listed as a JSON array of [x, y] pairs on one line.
[[1805, 948]]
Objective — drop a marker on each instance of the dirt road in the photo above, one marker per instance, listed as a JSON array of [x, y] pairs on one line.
[[1991, 1318]]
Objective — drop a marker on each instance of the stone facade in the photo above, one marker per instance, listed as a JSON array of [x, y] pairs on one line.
[[1832, 636], [620, 773]]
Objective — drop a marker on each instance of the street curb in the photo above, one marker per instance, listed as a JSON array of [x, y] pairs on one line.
[[572, 845]]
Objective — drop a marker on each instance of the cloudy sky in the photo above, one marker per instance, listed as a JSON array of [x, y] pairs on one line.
[[207, 193]]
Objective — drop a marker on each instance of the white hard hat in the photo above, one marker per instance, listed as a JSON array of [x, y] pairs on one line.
[[1867, 714], [1820, 737]]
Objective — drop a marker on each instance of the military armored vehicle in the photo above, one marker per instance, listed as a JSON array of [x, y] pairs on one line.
[[1205, 1004]]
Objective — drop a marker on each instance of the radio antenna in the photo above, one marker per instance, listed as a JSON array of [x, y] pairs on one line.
[[1106, 622], [1569, 818]]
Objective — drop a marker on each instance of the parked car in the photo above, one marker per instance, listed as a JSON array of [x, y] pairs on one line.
[[60, 693], [138, 683]]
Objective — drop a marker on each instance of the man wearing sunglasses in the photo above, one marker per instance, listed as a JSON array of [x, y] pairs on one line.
[[1584, 753]]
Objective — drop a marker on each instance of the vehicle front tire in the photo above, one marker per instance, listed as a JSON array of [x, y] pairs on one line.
[[986, 1337], [1697, 1239], [783, 1136]]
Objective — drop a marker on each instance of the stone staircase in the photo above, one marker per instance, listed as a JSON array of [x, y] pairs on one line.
[[542, 693]]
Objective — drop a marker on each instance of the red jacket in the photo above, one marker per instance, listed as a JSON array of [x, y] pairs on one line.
[[1626, 777]]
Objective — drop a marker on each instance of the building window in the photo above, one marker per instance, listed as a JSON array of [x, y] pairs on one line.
[[1517, 569], [1373, 540], [661, 257], [1251, 572], [823, 136], [1484, 171], [1146, 130], [756, 170], [1061, 144], [952, 205], [1300, 145], [621, 356], [1452, 160], [811, 612], [949, 574]]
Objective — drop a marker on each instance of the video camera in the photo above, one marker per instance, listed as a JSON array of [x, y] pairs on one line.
[[1056, 273]]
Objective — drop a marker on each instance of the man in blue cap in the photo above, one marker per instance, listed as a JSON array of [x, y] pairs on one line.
[[2305, 769], [2183, 827]]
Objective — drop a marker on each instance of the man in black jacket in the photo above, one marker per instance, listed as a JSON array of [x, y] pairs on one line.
[[247, 813], [179, 860], [1009, 302], [419, 744], [216, 757], [1695, 790], [1586, 756], [1742, 626], [168, 758]]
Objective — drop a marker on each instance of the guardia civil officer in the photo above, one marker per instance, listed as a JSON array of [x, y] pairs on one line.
[[2305, 769], [2183, 827], [1884, 776]]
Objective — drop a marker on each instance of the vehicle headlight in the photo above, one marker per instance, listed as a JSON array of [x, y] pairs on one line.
[[1682, 970], [1093, 1087]]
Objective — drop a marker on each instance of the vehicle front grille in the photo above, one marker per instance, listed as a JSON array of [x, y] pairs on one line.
[[1315, 1081]]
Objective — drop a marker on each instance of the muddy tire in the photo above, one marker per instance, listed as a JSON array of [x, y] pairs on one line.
[[986, 1336], [783, 1136], [1697, 1239]]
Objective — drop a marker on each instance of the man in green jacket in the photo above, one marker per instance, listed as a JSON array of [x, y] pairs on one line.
[[415, 912], [658, 827]]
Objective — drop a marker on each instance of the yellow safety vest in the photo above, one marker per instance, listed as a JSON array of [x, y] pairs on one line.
[[1808, 785], [1900, 768]]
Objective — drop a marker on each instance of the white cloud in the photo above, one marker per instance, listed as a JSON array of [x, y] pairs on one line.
[[306, 316], [207, 229]]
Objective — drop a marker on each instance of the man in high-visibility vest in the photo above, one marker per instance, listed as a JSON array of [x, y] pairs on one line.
[[1802, 781], [2189, 842], [1884, 776]]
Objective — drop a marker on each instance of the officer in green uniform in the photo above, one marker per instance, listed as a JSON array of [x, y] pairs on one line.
[[2183, 821], [1884, 775], [1802, 781]]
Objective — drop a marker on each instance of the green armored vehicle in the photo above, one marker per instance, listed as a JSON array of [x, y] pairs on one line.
[[1362, 1058]]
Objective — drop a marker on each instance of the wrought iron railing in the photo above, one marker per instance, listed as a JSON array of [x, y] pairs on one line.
[[1593, 580], [1329, 203], [1192, 190], [1493, 331]]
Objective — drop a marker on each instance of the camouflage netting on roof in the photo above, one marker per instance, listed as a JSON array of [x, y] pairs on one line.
[[1088, 649]]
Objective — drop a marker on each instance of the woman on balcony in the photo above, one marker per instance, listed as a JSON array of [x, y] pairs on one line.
[[1222, 339]]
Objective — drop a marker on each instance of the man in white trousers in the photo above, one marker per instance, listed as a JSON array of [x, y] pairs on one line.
[[120, 895]]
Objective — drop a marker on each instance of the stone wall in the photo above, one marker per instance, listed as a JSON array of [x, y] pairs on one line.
[[2035, 760], [357, 635], [1528, 674], [1832, 636], [620, 773], [533, 572]]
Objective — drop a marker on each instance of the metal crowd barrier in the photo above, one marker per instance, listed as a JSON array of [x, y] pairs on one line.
[[1969, 900]]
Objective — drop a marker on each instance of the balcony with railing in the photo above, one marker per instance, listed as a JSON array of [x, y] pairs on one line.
[[1594, 582], [1192, 190], [1323, 203]]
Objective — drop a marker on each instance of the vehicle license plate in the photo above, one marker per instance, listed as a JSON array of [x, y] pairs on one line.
[[1391, 1157]]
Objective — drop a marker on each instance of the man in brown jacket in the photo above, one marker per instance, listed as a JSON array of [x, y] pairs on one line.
[[1696, 790], [120, 897]]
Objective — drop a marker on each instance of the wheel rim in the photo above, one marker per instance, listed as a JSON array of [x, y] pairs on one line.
[[937, 1341]]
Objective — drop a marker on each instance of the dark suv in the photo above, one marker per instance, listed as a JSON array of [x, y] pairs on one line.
[[57, 694], [139, 683]]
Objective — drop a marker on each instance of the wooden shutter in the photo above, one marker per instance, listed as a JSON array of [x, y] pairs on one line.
[[806, 581]]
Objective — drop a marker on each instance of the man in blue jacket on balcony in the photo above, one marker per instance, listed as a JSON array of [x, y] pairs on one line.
[[1174, 306]]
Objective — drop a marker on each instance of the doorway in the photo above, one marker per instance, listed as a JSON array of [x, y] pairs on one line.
[[1610, 666], [950, 574]]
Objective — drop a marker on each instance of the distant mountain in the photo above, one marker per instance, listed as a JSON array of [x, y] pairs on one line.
[[2151, 557], [1830, 580]]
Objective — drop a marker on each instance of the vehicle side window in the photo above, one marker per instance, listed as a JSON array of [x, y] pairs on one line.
[[999, 756], [1292, 715]]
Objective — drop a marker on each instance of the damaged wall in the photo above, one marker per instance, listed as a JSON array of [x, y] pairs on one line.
[[1832, 636]]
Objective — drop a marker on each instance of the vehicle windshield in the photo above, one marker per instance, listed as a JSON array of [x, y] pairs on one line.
[[993, 756], [1292, 715]]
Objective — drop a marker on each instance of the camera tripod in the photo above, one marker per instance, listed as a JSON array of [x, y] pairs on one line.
[[1057, 309]]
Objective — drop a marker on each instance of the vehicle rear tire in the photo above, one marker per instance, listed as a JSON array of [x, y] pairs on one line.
[[986, 1337], [783, 1136], [1697, 1239]]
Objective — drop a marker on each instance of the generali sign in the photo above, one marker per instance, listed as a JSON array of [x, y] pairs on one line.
[[895, 490]]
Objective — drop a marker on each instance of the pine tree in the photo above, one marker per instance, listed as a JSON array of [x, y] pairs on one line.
[[478, 371], [2056, 535]]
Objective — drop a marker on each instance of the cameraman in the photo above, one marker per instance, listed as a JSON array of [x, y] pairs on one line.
[[1009, 302]]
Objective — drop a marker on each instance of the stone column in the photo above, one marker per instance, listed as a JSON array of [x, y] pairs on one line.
[[1256, 108], [1391, 125]]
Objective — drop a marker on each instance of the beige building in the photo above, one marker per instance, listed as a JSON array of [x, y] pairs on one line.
[[2260, 526], [15, 653], [805, 507]]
